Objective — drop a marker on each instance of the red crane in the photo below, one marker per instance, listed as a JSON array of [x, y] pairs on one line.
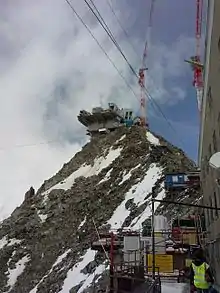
[[195, 61], [141, 81]]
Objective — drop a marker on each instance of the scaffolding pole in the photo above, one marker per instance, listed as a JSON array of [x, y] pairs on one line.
[[112, 264], [187, 204], [153, 234]]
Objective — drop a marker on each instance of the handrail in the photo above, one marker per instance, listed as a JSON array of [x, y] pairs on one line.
[[155, 287]]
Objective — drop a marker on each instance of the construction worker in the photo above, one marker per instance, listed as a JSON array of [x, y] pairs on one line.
[[201, 278]]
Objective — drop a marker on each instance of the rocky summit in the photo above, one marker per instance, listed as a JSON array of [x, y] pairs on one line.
[[45, 243]]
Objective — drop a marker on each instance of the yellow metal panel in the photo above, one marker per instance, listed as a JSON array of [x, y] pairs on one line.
[[163, 261]]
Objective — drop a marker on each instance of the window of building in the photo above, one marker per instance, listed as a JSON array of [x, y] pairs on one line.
[[214, 142], [209, 97]]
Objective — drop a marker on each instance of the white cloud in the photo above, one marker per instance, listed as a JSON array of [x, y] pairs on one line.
[[168, 70], [50, 68]]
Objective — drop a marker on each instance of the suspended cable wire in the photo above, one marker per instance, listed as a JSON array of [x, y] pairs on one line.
[[28, 145], [143, 70], [150, 25], [99, 14], [101, 47], [108, 31], [122, 28], [126, 82], [100, 241]]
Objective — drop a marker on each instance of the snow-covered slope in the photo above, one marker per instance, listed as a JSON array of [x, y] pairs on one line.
[[45, 244]]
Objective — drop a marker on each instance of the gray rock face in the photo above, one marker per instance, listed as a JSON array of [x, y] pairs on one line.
[[29, 194], [44, 239]]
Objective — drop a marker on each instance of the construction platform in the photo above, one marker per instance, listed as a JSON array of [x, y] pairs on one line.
[[102, 121], [87, 118]]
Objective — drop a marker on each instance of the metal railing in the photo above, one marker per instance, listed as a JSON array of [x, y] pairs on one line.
[[149, 286], [128, 278], [155, 287]]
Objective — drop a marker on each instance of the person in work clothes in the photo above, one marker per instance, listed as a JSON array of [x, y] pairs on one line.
[[201, 278]]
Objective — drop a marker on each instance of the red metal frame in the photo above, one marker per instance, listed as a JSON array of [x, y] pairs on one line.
[[198, 80]]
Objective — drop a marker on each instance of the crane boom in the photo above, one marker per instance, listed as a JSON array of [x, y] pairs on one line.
[[198, 80], [195, 61], [142, 70]]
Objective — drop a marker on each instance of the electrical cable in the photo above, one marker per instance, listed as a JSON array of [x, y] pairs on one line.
[[49, 142], [118, 47], [99, 14], [101, 47], [97, 232], [28, 145], [122, 28], [108, 31], [146, 91], [150, 24]]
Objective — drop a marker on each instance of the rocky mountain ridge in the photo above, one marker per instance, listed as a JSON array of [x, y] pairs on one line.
[[45, 244]]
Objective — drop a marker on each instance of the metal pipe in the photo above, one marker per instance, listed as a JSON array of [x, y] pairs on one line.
[[153, 234], [112, 264], [186, 204]]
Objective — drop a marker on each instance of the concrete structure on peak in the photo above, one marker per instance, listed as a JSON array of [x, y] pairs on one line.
[[107, 120]]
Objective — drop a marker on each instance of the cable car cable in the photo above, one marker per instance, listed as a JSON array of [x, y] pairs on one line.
[[122, 28], [108, 31], [101, 47]]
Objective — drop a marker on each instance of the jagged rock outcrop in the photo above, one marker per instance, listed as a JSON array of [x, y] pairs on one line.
[[29, 193], [109, 182]]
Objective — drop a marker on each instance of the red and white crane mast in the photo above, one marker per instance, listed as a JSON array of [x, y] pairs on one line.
[[195, 61], [198, 79], [142, 79], [142, 86]]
